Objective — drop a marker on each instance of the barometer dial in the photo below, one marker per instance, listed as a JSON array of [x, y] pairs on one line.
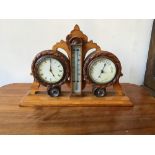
[[102, 70]]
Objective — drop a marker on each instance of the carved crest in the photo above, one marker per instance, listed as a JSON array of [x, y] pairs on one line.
[[76, 33]]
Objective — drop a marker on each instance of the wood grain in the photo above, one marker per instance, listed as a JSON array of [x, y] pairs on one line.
[[67, 100], [139, 119], [41, 98]]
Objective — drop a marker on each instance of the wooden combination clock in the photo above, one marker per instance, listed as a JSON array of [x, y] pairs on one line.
[[78, 63]]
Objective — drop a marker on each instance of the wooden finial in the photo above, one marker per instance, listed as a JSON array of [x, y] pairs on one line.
[[76, 27]]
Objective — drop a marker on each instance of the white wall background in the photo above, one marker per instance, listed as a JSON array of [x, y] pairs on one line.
[[21, 40]]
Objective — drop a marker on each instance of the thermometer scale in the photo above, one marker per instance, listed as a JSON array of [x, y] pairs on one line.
[[76, 66]]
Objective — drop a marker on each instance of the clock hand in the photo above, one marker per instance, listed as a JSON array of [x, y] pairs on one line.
[[103, 67], [102, 70], [51, 68], [52, 73]]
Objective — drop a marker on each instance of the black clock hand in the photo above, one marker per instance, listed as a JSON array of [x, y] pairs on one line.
[[102, 70], [51, 68]]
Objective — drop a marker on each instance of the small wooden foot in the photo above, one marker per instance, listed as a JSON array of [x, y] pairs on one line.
[[118, 89], [34, 87]]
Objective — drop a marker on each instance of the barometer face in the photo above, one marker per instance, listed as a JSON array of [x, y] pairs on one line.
[[102, 70], [50, 70]]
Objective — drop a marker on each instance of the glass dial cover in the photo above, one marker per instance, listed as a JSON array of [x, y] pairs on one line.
[[50, 70], [102, 70]]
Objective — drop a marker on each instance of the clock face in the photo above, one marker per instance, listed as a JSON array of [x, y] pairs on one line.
[[50, 70], [102, 70]]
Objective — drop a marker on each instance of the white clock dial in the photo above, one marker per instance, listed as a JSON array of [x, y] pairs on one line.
[[50, 70], [102, 70]]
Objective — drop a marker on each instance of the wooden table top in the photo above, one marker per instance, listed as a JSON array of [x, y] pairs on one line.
[[139, 119]]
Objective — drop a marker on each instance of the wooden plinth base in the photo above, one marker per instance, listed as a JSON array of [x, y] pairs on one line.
[[65, 100]]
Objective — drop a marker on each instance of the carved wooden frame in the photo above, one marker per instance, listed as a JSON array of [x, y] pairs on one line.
[[56, 55], [76, 33], [107, 55], [114, 59]]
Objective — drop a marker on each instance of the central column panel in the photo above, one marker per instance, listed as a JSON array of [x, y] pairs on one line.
[[76, 66]]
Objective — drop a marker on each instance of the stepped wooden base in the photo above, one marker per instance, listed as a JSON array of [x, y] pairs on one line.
[[42, 99]]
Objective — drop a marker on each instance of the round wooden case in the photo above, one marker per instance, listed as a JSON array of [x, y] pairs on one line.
[[56, 55], [102, 54]]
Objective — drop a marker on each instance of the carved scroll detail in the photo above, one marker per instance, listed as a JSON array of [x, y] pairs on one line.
[[90, 45], [62, 44], [76, 32]]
